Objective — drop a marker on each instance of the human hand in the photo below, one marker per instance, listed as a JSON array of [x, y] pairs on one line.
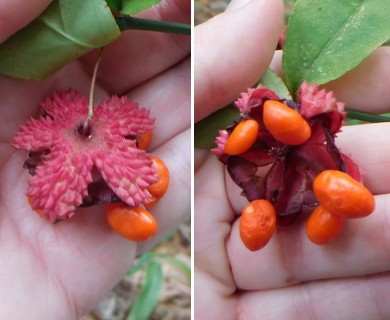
[[61, 271], [290, 278]]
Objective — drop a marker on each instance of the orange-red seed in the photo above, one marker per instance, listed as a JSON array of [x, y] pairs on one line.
[[339, 193], [30, 201], [144, 140], [159, 188], [242, 137], [323, 227], [257, 224], [134, 224], [285, 124]]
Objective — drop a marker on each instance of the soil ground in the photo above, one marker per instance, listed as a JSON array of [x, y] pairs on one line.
[[175, 298]]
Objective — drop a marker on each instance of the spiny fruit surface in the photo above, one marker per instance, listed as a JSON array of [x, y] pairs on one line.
[[74, 162]]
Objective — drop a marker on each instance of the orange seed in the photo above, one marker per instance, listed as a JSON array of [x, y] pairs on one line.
[[323, 227], [242, 137], [257, 224], [135, 224], [285, 124]]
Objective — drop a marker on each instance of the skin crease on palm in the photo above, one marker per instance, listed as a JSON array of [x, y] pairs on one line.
[[61, 271], [290, 278]]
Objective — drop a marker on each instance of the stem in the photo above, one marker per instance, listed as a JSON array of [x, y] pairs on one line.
[[130, 23], [92, 90], [358, 115]]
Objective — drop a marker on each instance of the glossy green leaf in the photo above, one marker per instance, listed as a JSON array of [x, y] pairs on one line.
[[272, 81], [135, 6], [325, 39], [67, 30], [147, 299], [206, 130]]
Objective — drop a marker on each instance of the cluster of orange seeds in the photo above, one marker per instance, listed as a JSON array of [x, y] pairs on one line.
[[285, 124], [138, 224], [339, 196]]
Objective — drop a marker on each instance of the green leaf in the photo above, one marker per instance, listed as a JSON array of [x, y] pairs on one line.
[[272, 81], [135, 6], [325, 39], [147, 257], [67, 30], [206, 130], [115, 4], [147, 299], [141, 261]]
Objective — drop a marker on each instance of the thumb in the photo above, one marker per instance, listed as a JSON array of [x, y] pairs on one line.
[[233, 50], [16, 14]]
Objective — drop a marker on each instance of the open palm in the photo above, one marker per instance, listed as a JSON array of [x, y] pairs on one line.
[[61, 271], [290, 278]]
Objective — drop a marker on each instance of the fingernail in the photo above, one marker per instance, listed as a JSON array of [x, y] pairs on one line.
[[237, 4]]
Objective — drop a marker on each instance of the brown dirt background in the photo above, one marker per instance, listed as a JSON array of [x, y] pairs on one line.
[[175, 298]]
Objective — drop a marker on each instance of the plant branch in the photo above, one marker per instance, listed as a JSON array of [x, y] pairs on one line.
[[130, 23], [358, 115]]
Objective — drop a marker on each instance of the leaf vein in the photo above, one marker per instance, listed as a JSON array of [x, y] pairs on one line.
[[332, 40], [65, 34]]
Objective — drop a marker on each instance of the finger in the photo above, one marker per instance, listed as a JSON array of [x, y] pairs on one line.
[[88, 234], [49, 251], [362, 249], [214, 299], [232, 50], [355, 298], [364, 88], [200, 155], [88, 239], [141, 55], [21, 98], [174, 207], [14, 15], [168, 97], [212, 223], [237, 200], [367, 146]]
